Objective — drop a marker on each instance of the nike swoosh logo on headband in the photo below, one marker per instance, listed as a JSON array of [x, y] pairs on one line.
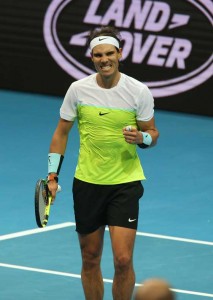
[[102, 39]]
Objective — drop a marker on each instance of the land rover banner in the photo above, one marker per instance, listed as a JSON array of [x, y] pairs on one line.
[[166, 44]]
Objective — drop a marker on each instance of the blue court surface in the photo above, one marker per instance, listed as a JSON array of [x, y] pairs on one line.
[[175, 232]]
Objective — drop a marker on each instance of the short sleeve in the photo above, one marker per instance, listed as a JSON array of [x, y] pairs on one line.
[[68, 110], [145, 110]]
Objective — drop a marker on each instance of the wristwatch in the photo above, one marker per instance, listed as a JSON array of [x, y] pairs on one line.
[[52, 177]]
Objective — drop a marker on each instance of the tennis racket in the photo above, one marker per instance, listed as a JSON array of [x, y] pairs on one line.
[[43, 201]]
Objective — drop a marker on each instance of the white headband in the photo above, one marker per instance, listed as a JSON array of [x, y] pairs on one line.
[[103, 39]]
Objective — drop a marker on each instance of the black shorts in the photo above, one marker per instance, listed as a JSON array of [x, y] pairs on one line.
[[97, 205]]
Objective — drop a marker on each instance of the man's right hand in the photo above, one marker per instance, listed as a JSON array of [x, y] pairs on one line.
[[52, 186]]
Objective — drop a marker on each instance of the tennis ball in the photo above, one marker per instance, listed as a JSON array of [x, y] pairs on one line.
[[129, 128]]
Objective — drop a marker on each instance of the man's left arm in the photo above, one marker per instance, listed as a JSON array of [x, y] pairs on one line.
[[149, 128], [146, 135]]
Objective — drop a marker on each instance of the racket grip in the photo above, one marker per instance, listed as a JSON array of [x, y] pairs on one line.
[[59, 189]]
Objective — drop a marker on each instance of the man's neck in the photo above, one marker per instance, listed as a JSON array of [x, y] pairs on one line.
[[108, 82]]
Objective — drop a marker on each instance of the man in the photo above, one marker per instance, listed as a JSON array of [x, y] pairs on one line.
[[154, 289], [115, 115]]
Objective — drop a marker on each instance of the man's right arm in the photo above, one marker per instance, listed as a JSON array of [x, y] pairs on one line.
[[60, 137], [58, 145]]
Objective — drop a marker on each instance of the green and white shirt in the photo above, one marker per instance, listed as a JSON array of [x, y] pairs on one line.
[[105, 157]]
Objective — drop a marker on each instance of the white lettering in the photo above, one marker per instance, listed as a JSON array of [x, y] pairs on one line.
[[91, 16], [179, 20], [150, 16], [114, 13], [137, 14], [179, 52], [128, 42], [158, 17], [156, 50], [160, 51], [147, 15], [140, 48], [79, 39]]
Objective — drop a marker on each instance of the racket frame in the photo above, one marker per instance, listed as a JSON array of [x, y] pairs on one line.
[[42, 183]]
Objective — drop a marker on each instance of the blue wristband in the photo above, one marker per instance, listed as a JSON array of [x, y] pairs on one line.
[[54, 162], [147, 140]]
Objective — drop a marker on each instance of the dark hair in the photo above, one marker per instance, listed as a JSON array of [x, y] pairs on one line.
[[108, 31]]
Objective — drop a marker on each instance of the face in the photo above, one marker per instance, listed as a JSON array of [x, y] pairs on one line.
[[106, 59]]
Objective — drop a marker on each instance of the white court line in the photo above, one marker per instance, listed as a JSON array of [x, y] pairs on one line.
[[175, 238], [34, 231], [78, 276], [68, 224]]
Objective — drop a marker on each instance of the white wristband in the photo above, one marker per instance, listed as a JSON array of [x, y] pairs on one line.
[[54, 162], [147, 140]]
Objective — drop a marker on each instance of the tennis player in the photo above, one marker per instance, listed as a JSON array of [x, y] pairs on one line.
[[115, 115]]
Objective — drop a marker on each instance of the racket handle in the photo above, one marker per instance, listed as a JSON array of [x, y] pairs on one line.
[[59, 189]]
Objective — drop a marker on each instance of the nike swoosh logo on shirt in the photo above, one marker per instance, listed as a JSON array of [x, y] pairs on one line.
[[102, 114]]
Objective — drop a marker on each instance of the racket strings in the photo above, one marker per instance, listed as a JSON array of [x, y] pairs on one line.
[[43, 200]]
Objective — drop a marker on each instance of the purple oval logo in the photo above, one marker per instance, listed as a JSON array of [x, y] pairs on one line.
[[167, 45]]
